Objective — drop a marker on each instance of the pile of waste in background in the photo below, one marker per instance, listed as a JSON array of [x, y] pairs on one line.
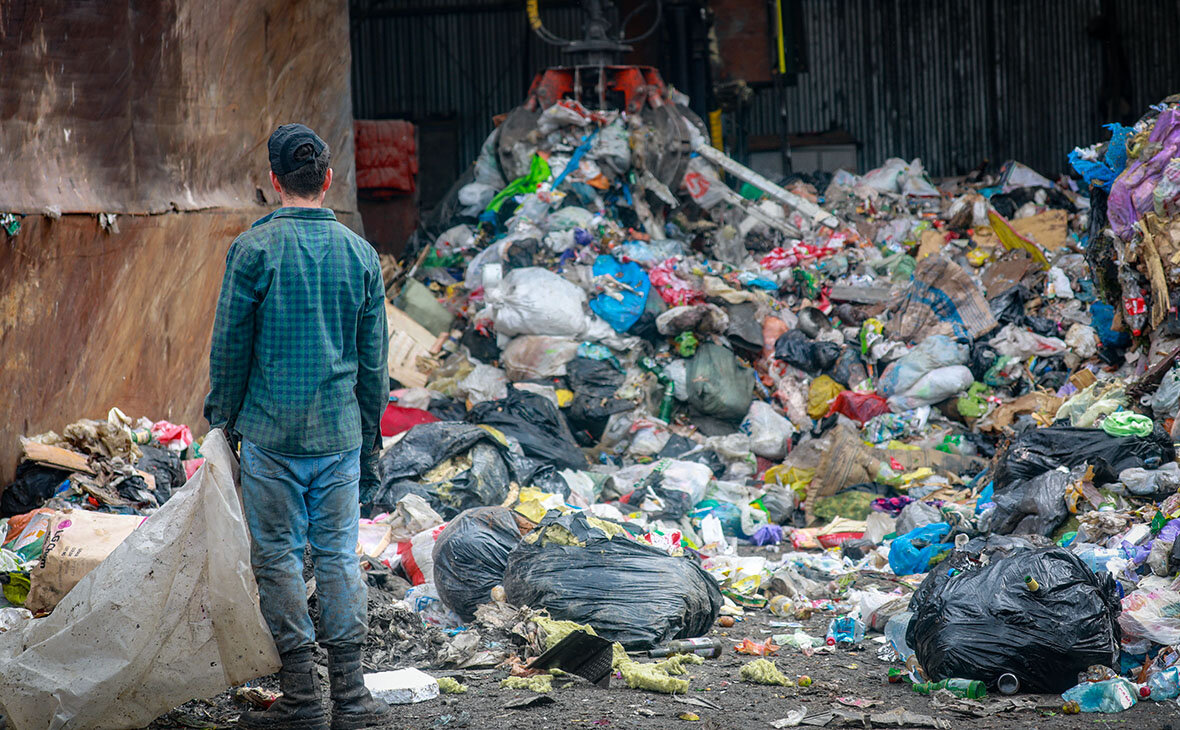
[[627, 411]]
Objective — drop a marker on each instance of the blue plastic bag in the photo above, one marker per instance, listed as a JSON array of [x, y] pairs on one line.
[[622, 314], [906, 559], [1102, 319]]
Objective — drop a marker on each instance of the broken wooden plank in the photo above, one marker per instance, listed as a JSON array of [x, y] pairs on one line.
[[61, 458]]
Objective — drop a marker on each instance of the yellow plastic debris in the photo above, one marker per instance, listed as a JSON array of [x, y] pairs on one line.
[[451, 686], [763, 671], [539, 683], [823, 391]]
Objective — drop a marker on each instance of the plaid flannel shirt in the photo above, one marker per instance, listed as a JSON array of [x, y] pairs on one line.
[[298, 363]]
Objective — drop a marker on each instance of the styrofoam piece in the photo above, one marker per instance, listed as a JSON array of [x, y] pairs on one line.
[[402, 687]]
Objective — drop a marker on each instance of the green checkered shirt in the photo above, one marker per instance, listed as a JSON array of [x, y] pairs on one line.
[[298, 363]]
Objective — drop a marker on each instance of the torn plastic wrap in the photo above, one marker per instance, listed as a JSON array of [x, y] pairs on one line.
[[171, 615]]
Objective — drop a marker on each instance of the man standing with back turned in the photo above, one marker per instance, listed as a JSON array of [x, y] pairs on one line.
[[298, 370]]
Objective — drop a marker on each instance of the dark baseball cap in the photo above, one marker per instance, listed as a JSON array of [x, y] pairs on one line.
[[286, 141]]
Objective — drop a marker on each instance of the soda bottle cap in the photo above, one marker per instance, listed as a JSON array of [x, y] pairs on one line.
[[1144, 691]]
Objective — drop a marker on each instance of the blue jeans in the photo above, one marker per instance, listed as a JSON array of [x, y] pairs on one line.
[[289, 502]]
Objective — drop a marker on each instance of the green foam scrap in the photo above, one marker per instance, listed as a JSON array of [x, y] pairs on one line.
[[656, 676], [451, 686], [556, 630], [540, 683], [763, 671]]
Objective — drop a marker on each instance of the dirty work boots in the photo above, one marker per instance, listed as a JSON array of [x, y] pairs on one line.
[[353, 708], [299, 708]]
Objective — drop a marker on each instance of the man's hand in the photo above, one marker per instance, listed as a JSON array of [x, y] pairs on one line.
[[370, 474]]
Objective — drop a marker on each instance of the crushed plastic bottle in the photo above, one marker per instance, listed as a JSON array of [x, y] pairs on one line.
[[1109, 696], [895, 630], [1164, 684], [845, 630]]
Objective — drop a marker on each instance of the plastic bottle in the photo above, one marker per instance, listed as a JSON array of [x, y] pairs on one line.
[[1111, 695], [972, 689], [1134, 305], [895, 630], [845, 630], [1164, 684], [709, 647], [780, 605]]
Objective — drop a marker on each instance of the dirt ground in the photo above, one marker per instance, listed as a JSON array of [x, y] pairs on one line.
[[851, 681]]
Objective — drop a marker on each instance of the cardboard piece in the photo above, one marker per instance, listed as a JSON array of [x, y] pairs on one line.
[[1049, 230], [848, 460], [410, 344], [1007, 272], [77, 541], [70, 460]]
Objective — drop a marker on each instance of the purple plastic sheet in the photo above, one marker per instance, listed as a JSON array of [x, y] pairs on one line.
[[1131, 196]]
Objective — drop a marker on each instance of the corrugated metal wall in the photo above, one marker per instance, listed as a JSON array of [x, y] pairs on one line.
[[951, 81], [959, 81], [470, 64]]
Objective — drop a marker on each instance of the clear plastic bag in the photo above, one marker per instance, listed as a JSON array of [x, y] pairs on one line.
[[171, 615], [768, 431]]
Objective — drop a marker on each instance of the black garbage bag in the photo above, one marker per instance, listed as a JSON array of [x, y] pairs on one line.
[[482, 346], [1008, 306], [1033, 507], [479, 476], [810, 356], [983, 356], [33, 485], [849, 369], [165, 465], [536, 423], [684, 449], [470, 556], [980, 623], [594, 383], [1037, 451], [628, 591], [717, 385]]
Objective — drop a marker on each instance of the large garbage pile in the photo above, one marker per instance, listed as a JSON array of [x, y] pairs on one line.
[[895, 372]]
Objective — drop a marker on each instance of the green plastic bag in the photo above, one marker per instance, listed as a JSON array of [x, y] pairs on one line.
[[1126, 423], [717, 385], [974, 404]]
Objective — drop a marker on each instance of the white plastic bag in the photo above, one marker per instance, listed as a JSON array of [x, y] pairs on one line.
[[933, 387], [1018, 342], [768, 431], [536, 301], [454, 239], [936, 351], [484, 383], [703, 184], [171, 615], [530, 357], [1082, 341]]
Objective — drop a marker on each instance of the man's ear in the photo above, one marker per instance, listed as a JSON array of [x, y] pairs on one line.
[[327, 181], [274, 181]]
